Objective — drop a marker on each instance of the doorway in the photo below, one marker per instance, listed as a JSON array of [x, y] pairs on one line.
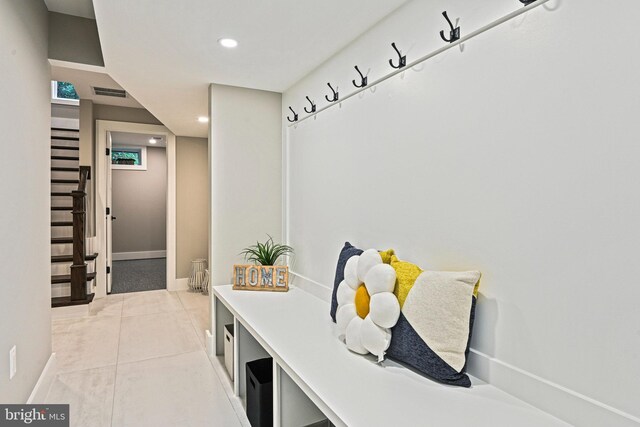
[[138, 194], [106, 133]]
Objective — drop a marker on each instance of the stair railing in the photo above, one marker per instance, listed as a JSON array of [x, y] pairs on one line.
[[79, 267]]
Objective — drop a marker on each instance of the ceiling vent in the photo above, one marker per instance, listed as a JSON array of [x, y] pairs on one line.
[[103, 91]]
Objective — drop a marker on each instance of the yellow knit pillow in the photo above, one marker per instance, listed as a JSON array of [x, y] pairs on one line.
[[406, 273], [386, 255]]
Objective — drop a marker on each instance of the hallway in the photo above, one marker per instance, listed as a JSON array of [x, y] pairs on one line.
[[139, 360]]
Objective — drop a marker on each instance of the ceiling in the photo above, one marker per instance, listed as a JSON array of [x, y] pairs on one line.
[[84, 81], [83, 8], [125, 139], [165, 52]]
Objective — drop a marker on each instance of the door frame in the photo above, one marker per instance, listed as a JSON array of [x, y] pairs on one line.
[[100, 176]]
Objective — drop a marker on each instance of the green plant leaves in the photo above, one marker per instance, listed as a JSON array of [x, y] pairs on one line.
[[266, 253]]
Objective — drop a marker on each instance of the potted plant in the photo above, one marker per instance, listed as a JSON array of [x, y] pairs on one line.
[[266, 253], [264, 274]]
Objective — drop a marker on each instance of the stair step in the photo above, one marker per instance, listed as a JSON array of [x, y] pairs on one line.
[[64, 158], [66, 278], [62, 223], [66, 301], [61, 240], [66, 130], [64, 147], [62, 208], [61, 194], [66, 138], [69, 258], [64, 169], [64, 181]]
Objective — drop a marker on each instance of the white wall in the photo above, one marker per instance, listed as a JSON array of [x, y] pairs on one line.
[[192, 203], [246, 181], [139, 202], [517, 156], [25, 117]]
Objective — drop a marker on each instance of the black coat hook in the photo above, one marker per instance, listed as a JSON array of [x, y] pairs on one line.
[[335, 96], [313, 106], [454, 34], [295, 115], [402, 61], [363, 79], [527, 2]]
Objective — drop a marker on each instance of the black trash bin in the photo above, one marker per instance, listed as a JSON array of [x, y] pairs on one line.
[[260, 392]]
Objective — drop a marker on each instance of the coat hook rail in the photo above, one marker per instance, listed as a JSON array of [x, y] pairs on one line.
[[295, 116], [430, 55], [402, 59], [363, 79], [335, 95], [454, 34], [313, 106]]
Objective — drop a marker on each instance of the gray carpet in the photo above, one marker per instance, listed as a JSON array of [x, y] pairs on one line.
[[138, 275]]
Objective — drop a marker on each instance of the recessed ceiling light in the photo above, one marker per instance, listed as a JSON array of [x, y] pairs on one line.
[[203, 119], [152, 141], [228, 43]]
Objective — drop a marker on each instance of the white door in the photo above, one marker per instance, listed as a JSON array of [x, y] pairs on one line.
[[110, 217]]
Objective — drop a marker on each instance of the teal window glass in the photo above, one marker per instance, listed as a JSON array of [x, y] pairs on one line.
[[65, 90], [126, 157]]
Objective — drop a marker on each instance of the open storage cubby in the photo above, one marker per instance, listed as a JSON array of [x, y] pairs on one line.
[[222, 317], [248, 349], [294, 406]]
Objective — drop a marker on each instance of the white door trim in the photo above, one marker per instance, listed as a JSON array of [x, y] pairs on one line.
[[100, 175]]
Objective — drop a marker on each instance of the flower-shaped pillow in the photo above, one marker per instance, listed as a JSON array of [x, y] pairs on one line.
[[367, 306]]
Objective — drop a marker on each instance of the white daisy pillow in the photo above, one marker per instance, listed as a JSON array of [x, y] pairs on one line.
[[367, 306]]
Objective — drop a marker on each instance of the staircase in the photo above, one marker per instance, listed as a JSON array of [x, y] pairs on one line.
[[71, 269]]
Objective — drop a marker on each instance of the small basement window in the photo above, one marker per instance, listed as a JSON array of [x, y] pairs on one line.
[[64, 93], [134, 158]]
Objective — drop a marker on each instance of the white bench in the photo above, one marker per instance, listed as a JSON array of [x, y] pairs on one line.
[[315, 376]]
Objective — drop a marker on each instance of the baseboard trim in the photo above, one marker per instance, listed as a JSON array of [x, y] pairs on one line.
[[181, 284], [126, 256], [316, 289], [39, 393], [209, 343], [561, 402]]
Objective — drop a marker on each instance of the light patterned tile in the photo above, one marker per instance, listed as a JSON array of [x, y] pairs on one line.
[[89, 342], [179, 390], [111, 305], [89, 394], [150, 302], [193, 300], [200, 319], [155, 335]]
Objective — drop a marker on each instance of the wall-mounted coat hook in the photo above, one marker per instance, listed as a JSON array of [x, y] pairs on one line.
[[454, 34], [402, 60], [363, 79], [313, 106], [295, 116], [335, 96], [527, 2]]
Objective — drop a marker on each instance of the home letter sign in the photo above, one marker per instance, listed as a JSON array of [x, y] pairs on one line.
[[261, 277]]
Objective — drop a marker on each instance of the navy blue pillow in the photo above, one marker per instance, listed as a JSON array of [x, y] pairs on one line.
[[409, 349], [347, 252]]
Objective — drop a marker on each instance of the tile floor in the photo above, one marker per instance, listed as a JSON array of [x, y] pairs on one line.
[[139, 360]]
